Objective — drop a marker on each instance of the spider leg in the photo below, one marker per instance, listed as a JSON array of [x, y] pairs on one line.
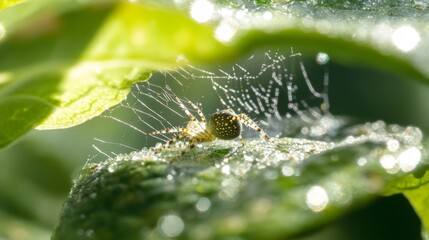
[[191, 145], [185, 109], [241, 139], [168, 130], [171, 141], [176, 145], [251, 124], [196, 108]]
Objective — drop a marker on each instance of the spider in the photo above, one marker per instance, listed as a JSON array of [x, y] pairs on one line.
[[224, 124]]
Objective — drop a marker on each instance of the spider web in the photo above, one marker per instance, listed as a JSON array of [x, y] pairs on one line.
[[269, 87]]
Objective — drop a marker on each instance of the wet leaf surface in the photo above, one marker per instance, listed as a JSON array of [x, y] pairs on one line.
[[222, 189]]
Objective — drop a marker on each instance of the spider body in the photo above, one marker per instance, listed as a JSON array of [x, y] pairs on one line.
[[199, 132], [224, 124]]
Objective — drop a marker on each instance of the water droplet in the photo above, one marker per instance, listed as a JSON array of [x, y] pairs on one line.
[[349, 140], [421, 5], [135, 156], [412, 135], [339, 194], [202, 10], [112, 167], [287, 171], [393, 145], [378, 125], [120, 157], [390, 163], [409, 159], [305, 130], [226, 30], [405, 38], [322, 58], [230, 187], [203, 204], [317, 198], [171, 225], [248, 158], [362, 161], [267, 15], [226, 169]]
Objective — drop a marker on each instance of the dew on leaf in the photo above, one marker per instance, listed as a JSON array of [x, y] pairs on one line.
[[409, 159], [362, 161], [406, 38], [393, 145], [316, 198], [112, 167], [226, 30], [390, 163], [287, 171], [202, 10]]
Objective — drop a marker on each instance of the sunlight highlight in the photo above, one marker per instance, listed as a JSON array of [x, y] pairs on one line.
[[2, 31], [225, 31], [390, 163], [405, 38], [317, 198], [409, 159], [5, 77], [202, 10]]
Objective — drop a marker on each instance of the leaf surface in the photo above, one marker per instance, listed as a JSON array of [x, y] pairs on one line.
[[222, 189]]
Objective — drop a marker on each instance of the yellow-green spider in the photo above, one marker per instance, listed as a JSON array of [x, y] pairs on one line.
[[224, 124]]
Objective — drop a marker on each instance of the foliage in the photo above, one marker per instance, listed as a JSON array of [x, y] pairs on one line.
[[65, 62]]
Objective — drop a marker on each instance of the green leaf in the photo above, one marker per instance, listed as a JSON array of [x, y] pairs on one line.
[[73, 88], [415, 188], [20, 114], [223, 190], [419, 199], [8, 3]]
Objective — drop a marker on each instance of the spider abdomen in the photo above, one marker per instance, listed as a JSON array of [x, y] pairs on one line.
[[225, 125]]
